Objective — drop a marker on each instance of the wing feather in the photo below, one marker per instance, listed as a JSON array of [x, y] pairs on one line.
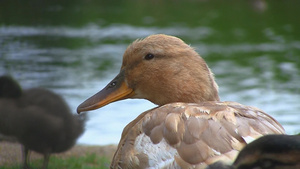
[[194, 134]]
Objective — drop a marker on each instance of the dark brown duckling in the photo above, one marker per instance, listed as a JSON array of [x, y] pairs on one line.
[[267, 152], [38, 118]]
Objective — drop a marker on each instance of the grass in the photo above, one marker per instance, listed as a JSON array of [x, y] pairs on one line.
[[89, 161]]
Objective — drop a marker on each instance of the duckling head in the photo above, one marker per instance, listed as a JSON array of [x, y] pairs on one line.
[[9, 88]]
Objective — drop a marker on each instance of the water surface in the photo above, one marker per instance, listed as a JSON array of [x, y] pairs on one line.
[[75, 48]]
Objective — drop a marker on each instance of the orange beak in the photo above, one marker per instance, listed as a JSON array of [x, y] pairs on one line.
[[116, 90]]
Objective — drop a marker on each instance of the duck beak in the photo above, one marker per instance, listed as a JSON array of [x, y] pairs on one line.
[[116, 90]]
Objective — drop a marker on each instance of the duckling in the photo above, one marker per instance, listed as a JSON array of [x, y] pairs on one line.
[[219, 165], [267, 152], [191, 127], [38, 118]]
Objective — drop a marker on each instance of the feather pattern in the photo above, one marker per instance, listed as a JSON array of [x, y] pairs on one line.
[[192, 135]]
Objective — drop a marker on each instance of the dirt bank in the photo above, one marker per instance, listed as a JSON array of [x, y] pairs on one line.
[[10, 153]]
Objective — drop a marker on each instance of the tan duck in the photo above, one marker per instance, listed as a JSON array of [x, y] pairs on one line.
[[190, 128], [267, 152]]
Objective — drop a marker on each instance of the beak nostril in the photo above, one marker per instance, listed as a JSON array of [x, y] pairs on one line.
[[112, 84]]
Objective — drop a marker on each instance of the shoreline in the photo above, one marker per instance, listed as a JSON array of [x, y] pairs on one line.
[[11, 152]]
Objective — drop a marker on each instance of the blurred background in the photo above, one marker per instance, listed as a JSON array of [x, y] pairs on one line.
[[75, 47]]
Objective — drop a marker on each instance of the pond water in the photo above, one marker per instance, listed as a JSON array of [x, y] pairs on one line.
[[75, 48]]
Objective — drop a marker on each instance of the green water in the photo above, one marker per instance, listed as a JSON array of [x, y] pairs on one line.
[[75, 48]]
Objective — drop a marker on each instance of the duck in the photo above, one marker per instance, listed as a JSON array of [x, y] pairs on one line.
[[190, 127], [275, 151], [39, 119]]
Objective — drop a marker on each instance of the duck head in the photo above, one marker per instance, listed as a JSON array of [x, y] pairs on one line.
[[162, 69]]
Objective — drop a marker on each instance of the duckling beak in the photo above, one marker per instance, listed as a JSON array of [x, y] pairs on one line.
[[116, 90]]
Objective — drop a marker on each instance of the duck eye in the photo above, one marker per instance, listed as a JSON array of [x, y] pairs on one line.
[[149, 56]]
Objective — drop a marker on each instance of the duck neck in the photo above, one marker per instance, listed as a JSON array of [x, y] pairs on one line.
[[192, 88]]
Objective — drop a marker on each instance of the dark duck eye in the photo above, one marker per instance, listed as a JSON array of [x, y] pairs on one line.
[[149, 56]]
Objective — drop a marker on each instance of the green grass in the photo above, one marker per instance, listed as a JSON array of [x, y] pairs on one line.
[[89, 161]]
